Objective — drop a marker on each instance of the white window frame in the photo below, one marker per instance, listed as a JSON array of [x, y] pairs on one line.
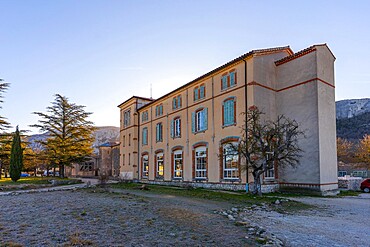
[[199, 121], [159, 160], [230, 172], [177, 156], [200, 160], [145, 164], [126, 118]]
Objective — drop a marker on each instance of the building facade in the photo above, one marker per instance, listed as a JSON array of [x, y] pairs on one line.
[[182, 136]]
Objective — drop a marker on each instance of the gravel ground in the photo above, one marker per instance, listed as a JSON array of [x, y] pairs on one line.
[[335, 222], [137, 218], [85, 217]]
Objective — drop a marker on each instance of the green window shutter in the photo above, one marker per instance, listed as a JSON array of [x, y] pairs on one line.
[[156, 133], [179, 101], [174, 103], [232, 78], [205, 118], [193, 122], [172, 128], [224, 82], [201, 92], [179, 127], [196, 94]]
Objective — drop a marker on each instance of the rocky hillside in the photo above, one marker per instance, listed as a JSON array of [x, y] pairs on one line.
[[352, 107], [353, 118], [102, 135]]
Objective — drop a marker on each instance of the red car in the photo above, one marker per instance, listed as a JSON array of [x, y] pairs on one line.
[[365, 185]]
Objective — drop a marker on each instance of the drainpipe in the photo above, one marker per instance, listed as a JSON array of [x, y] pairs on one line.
[[246, 118], [138, 143]]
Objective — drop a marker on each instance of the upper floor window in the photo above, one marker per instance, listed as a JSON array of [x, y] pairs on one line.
[[176, 102], [144, 116], [228, 112], [176, 128], [126, 118], [199, 121], [145, 136], [159, 132], [228, 79], [199, 92], [159, 110]]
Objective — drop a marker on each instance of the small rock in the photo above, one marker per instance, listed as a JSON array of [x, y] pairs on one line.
[[277, 202], [231, 217], [234, 209]]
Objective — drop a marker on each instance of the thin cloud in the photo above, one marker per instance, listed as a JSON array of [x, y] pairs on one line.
[[132, 68]]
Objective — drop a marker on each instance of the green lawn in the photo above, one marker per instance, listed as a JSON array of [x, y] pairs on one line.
[[28, 180], [234, 197]]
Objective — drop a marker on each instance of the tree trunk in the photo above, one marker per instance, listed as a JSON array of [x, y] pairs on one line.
[[1, 168], [257, 190], [61, 170]]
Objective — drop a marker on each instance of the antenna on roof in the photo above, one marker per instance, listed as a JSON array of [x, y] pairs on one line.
[[151, 91]]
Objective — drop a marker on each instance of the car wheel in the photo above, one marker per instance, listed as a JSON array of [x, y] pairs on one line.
[[367, 190]]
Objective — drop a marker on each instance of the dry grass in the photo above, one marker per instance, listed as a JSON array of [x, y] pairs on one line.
[[76, 240]]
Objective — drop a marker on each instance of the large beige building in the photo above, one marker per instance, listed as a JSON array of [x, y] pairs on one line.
[[181, 137]]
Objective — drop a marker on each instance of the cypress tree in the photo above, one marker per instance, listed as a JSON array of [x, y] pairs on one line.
[[16, 157]]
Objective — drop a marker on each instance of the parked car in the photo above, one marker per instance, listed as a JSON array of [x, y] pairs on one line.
[[365, 185], [25, 174], [51, 173]]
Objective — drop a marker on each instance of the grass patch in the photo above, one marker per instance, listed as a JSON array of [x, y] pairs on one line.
[[344, 193], [233, 197], [30, 180]]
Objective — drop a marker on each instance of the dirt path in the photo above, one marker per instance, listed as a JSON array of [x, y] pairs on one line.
[[110, 219]]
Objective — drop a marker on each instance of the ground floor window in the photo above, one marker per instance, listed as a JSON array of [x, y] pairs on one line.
[[178, 164], [87, 166], [159, 165], [270, 173], [201, 162], [342, 173], [145, 166], [230, 161]]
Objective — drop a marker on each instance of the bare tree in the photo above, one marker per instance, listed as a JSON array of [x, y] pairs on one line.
[[265, 144]]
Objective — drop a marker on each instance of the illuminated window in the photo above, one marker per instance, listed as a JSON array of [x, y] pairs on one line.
[[159, 165], [178, 165], [145, 163]]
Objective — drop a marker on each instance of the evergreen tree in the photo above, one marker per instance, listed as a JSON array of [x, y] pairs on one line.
[[16, 157], [70, 133]]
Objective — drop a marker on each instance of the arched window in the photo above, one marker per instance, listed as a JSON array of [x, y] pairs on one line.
[[200, 162], [159, 165], [145, 165], [178, 164], [230, 161]]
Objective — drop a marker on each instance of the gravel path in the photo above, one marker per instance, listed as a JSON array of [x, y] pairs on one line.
[[335, 222], [85, 217]]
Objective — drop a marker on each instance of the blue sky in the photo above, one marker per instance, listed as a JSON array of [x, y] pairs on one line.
[[99, 53]]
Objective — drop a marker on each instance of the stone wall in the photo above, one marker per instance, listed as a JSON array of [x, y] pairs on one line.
[[268, 188]]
